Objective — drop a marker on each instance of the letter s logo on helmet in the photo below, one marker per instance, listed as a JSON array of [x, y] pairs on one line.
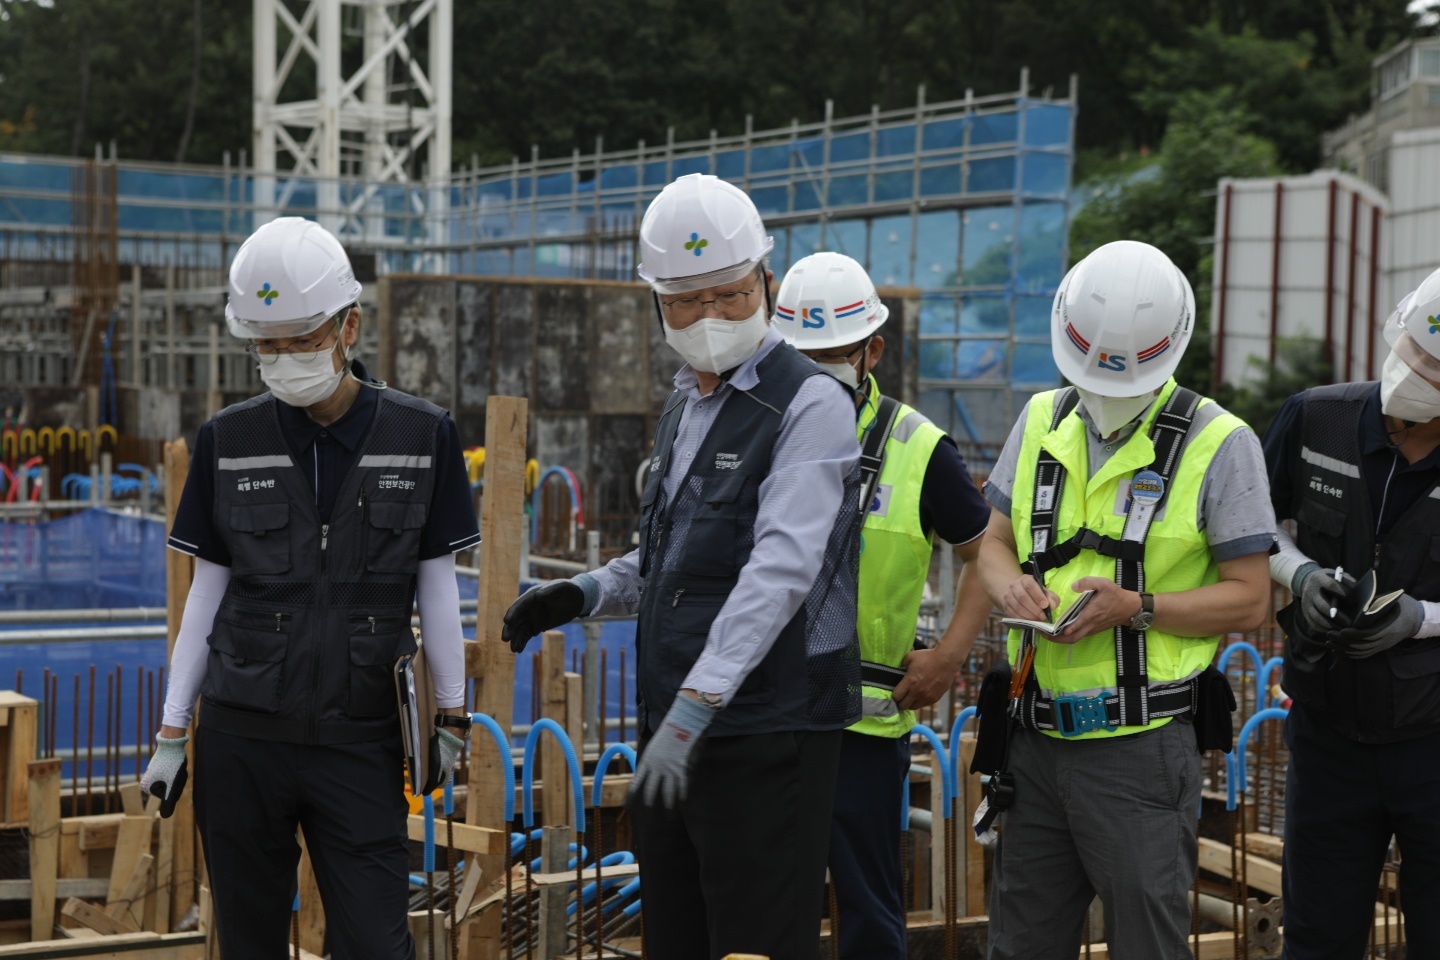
[[1112, 361], [835, 300]]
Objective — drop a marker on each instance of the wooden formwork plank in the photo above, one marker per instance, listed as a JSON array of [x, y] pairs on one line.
[[179, 572], [43, 808], [470, 838], [129, 907], [93, 917], [1260, 874], [312, 910], [131, 843], [18, 743], [501, 524], [557, 808], [972, 862], [125, 946], [157, 909], [132, 799]]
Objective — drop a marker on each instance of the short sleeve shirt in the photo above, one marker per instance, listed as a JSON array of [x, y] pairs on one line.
[[1235, 510], [326, 454]]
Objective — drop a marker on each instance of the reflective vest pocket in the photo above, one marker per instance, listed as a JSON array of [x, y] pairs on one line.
[[375, 645], [262, 544], [247, 660], [392, 539]]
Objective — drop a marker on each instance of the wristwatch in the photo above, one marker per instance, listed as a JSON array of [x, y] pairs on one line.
[[461, 722], [1146, 617], [711, 700]]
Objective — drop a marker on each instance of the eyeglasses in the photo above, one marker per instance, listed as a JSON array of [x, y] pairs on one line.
[[734, 304], [305, 349], [841, 357]]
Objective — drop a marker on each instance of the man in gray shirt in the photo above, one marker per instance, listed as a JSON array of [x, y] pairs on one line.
[[744, 584], [1150, 502]]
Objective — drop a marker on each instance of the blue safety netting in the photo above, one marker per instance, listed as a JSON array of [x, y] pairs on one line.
[[95, 558]]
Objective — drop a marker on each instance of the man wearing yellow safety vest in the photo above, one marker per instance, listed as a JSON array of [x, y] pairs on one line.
[[1151, 501], [914, 484]]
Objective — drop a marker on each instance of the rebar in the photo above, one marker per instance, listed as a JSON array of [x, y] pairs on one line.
[[139, 716], [75, 762], [90, 740]]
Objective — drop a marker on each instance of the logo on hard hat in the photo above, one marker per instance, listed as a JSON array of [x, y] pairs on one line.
[[266, 294], [1434, 324], [696, 243], [1114, 362], [812, 318]]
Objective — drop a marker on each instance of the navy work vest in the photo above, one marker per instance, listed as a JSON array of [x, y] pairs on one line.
[[1393, 695], [693, 548], [306, 637]]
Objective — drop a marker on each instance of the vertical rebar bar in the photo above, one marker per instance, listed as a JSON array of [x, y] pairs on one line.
[[109, 720], [54, 693], [139, 716], [622, 695], [89, 740], [75, 758], [119, 722], [603, 709], [20, 679]]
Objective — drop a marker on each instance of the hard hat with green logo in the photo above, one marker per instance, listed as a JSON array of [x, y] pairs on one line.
[[700, 232], [287, 279], [1121, 320], [827, 300]]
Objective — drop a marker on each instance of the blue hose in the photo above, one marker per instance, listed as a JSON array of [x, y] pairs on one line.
[[528, 771], [429, 834], [610, 753], [1262, 698], [507, 757], [941, 761], [954, 756], [1271, 713], [1235, 647]]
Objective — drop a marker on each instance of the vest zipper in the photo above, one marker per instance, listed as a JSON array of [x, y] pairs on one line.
[[678, 594], [279, 619], [362, 538], [1380, 517], [372, 625], [324, 586]]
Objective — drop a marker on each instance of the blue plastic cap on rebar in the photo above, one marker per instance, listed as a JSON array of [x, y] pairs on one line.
[[1231, 798], [528, 770], [955, 729], [450, 795], [1262, 683], [507, 758], [1231, 650], [295, 906], [905, 802], [1260, 716], [570, 484], [429, 833], [942, 760], [609, 754]]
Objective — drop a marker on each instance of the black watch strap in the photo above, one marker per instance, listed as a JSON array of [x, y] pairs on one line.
[[1147, 603], [461, 722]]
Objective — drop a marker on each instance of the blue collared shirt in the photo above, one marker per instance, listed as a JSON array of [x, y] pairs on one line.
[[814, 452]]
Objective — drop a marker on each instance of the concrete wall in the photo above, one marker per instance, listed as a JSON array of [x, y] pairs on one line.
[[589, 355]]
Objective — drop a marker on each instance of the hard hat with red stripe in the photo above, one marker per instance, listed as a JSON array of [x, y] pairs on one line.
[[827, 300]]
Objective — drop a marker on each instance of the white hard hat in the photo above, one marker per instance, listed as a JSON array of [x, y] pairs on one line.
[[1121, 320], [1413, 330], [288, 278], [700, 232], [827, 300]]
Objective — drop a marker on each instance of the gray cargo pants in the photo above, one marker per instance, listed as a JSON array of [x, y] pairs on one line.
[[1114, 818]]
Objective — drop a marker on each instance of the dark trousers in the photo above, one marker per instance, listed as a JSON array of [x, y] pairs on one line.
[[250, 795], [865, 847], [1344, 800], [739, 866]]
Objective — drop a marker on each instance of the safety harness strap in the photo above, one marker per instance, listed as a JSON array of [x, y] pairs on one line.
[[872, 454], [1133, 704]]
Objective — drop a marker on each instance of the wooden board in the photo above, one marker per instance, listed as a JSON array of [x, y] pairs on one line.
[[557, 805], [502, 529], [17, 750], [468, 837], [132, 842], [157, 907], [93, 917], [132, 799], [64, 887], [972, 862], [129, 907], [179, 572], [43, 778], [312, 911], [125, 946], [1260, 874]]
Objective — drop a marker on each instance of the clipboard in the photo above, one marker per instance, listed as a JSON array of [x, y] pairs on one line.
[[416, 698]]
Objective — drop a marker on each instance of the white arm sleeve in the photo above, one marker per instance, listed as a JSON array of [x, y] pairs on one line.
[[438, 596], [1289, 558], [187, 662]]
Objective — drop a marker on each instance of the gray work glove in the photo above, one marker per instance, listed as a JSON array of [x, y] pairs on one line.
[[168, 770], [1398, 622], [1318, 592], [664, 770], [546, 607], [451, 747]]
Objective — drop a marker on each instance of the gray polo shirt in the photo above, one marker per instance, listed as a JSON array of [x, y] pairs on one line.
[[1235, 510]]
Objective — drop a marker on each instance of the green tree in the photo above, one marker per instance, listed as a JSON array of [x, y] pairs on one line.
[[1171, 202], [1300, 363]]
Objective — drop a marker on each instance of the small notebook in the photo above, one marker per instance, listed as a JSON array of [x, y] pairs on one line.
[[1052, 629], [1362, 601]]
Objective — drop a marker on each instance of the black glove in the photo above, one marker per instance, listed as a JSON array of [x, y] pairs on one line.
[[544, 608], [1372, 635], [1318, 592]]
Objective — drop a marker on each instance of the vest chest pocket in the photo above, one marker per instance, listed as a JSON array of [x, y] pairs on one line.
[[689, 625], [1415, 665], [716, 545], [260, 540], [375, 644], [1326, 524], [392, 536], [246, 665]]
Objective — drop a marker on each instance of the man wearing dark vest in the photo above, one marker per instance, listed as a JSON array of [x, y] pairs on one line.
[[1152, 497], [916, 487], [318, 513], [1357, 467], [744, 583]]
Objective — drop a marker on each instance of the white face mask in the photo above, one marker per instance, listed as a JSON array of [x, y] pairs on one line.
[[1112, 413], [303, 379], [714, 345], [842, 370], [1404, 394]]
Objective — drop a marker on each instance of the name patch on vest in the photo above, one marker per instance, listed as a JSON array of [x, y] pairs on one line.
[[392, 481], [1320, 486], [246, 484], [727, 461]]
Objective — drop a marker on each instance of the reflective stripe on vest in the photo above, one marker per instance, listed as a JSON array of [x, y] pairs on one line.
[[894, 561], [1177, 556]]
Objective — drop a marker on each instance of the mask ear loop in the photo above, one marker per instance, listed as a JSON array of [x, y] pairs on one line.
[[347, 360]]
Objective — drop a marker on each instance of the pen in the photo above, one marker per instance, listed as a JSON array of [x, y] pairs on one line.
[[1339, 572], [1040, 579]]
